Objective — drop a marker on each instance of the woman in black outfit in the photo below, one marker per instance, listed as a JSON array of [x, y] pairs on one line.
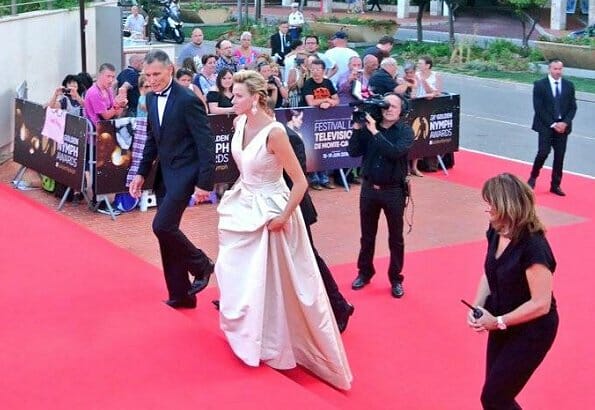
[[515, 293], [220, 97]]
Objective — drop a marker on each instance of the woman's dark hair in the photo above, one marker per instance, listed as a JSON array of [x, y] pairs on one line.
[[220, 76], [85, 80], [182, 72], [70, 78], [189, 64], [291, 114], [428, 60], [206, 58]]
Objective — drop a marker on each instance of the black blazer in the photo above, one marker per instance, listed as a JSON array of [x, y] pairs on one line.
[[307, 206], [183, 143], [543, 105], [275, 41]]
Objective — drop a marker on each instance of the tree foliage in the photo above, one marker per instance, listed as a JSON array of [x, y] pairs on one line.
[[527, 12]]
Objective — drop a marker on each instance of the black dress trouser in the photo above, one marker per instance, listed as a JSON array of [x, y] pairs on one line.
[[391, 200], [512, 357], [178, 255], [547, 141], [338, 302]]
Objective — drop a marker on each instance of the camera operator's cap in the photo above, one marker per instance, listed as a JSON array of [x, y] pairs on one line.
[[340, 34], [295, 5]]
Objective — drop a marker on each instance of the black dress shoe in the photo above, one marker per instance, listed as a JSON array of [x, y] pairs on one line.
[[557, 190], [186, 303], [531, 183], [359, 282], [344, 319], [397, 290], [201, 282]]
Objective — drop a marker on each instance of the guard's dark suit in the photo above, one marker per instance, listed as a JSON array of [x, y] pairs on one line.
[[184, 147], [544, 105], [276, 48]]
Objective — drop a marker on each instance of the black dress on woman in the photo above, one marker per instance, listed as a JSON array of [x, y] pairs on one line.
[[514, 354]]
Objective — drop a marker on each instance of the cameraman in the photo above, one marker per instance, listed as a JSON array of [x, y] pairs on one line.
[[384, 147]]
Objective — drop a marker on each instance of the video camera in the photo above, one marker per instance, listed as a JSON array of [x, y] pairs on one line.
[[372, 106]]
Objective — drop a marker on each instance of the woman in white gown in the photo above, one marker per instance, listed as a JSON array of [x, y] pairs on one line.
[[273, 305]]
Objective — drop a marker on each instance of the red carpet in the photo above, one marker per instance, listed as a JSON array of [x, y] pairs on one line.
[[82, 326]]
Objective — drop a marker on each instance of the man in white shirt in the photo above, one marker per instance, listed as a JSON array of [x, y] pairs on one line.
[[311, 44], [135, 22], [296, 21], [340, 54]]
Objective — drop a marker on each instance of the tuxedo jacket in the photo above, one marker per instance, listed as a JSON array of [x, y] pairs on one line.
[[183, 144], [306, 205], [276, 46], [543, 105]]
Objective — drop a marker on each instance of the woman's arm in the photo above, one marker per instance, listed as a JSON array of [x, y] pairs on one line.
[[540, 281], [483, 291], [215, 109], [278, 144]]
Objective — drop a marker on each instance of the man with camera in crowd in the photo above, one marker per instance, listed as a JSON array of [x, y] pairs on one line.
[[384, 142]]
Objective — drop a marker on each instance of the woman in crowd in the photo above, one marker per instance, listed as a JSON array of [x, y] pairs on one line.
[[275, 308], [206, 78], [190, 65], [220, 97], [184, 76], [408, 88], [429, 82], [515, 293], [245, 53], [68, 96], [140, 129], [295, 80]]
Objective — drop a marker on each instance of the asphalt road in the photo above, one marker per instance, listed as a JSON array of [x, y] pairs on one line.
[[496, 118]]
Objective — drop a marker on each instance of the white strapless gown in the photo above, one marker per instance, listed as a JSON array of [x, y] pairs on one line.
[[273, 305]]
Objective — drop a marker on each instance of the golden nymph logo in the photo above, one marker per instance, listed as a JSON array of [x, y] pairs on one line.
[[421, 128]]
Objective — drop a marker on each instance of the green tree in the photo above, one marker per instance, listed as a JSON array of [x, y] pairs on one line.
[[527, 12]]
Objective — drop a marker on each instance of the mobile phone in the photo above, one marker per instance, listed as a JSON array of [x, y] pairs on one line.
[[477, 313]]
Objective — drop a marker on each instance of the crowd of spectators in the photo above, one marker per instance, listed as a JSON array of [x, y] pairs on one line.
[[298, 74]]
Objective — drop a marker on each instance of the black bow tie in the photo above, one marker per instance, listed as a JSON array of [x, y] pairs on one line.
[[165, 92]]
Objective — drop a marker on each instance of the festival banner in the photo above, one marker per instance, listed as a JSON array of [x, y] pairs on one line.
[[226, 169], [63, 162], [325, 133], [435, 126], [114, 143]]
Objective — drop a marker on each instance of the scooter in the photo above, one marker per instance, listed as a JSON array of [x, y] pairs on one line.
[[169, 25]]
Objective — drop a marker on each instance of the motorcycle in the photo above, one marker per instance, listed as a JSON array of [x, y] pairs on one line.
[[169, 25]]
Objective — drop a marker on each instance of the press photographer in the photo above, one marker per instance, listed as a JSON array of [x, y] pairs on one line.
[[384, 141]]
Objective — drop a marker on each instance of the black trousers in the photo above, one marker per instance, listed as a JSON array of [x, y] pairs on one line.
[[392, 202], [547, 141], [512, 357], [374, 3], [338, 302], [178, 255]]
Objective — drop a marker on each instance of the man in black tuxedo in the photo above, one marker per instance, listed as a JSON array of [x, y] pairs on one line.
[[280, 43], [555, 106], [179, 136], [341, 308]]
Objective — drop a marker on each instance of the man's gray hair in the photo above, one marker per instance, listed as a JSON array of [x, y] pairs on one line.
[[388, 61], [157, 55]]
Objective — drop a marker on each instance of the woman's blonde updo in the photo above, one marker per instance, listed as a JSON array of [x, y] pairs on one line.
[[255, 83]]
